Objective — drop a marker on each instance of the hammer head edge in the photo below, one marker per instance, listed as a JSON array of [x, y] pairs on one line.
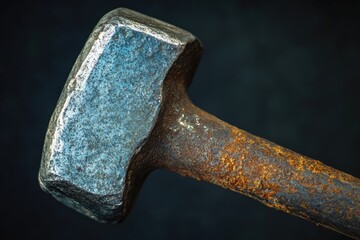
[[107, 111]]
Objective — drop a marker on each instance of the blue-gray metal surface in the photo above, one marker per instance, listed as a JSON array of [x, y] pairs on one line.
[[107, 110]]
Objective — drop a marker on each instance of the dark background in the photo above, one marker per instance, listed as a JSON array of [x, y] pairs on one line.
[[286, 72]]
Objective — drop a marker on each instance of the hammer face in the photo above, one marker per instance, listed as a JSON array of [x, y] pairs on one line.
[[107, 110]]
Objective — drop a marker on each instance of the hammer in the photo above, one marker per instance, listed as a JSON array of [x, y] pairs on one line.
[[124, 112]]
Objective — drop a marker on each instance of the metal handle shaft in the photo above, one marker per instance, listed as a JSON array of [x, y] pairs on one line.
[[199, 145]]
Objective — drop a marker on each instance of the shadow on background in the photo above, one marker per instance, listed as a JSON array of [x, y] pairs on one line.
[[286, 72]]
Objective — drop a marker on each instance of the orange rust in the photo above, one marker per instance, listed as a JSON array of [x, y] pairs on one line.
[[217, 152], [231, 174], [261, 169], [302, 163], [304, 205], [242, 180]]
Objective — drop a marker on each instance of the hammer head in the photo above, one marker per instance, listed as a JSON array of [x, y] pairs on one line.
[[108, 109]]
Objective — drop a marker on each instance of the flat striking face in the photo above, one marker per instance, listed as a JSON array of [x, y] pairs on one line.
[[107, 110]]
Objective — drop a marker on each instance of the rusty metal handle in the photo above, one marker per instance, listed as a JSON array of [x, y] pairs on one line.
[[290, 182], [203, 147]]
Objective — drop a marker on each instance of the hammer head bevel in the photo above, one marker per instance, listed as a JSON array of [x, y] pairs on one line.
[[107, 110]]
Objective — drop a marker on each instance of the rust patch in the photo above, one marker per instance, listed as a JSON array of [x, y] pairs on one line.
[[201, 146], [284, 180], [238, 169]]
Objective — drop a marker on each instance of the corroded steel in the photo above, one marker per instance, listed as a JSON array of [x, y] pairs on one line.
[[201, 146], [124, 111]]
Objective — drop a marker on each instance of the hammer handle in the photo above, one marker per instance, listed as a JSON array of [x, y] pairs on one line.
[[287, 181], [199, 145]]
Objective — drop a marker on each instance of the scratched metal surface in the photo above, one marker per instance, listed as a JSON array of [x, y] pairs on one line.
[[106, 111]]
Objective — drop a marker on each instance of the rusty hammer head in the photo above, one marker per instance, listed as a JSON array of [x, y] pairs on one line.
[[108, 109]]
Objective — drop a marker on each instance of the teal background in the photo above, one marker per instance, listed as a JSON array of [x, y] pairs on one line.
[[287, 72]]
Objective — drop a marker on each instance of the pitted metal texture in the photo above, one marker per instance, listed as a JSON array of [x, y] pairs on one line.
[[108, 107]]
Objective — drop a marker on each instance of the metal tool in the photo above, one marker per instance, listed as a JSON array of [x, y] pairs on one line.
[[124, 111]]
